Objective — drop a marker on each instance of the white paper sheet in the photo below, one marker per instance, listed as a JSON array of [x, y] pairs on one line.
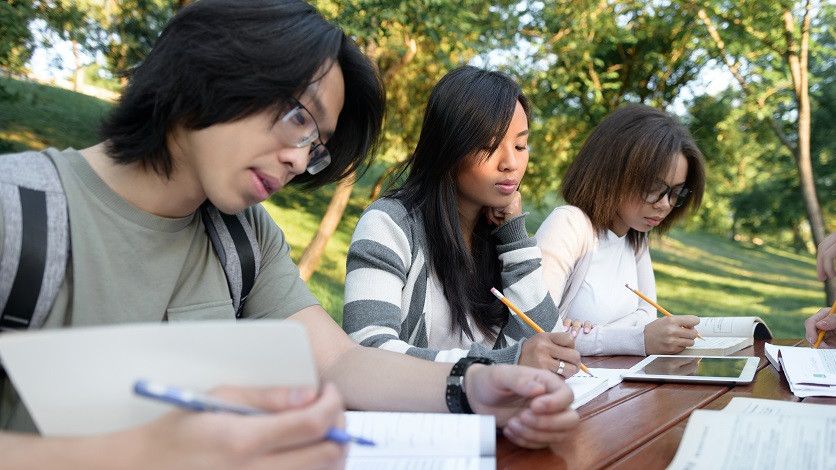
[[719, 440], [760, 406]]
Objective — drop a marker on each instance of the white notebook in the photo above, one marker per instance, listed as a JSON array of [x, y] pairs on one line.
[[422, 441]]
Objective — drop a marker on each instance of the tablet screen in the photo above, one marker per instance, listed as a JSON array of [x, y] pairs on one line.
[[695, 366]]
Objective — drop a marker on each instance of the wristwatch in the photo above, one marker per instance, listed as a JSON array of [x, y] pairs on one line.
[[456, 398]]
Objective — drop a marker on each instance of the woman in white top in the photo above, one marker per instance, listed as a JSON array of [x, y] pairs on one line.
[[638, 170]]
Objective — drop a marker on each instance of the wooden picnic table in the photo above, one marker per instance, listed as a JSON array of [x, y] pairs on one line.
[[638, 425]]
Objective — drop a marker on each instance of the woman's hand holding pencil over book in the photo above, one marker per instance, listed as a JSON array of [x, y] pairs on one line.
[[820, 329], [551, 351], [670, 334]]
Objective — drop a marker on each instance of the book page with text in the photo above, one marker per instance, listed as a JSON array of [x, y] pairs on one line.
[[712, 342], [726, 326]]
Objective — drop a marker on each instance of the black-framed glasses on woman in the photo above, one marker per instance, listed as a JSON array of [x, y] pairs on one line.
[[677, 195], [299, 129]]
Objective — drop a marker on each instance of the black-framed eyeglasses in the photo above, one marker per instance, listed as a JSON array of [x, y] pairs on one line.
[[676, 195], [299, 129]]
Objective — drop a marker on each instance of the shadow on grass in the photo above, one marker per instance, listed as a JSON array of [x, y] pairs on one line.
[[700, 253]]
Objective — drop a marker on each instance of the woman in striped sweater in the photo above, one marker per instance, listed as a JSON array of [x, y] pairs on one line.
[[423, 259]]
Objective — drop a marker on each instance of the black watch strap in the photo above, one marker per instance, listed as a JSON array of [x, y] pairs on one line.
[[456, 398]]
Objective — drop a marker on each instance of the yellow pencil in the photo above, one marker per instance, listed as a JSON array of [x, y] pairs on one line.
[[651, 302], [821, 332], [527, 320]]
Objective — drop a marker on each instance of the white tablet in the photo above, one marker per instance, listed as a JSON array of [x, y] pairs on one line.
[[695, 369]]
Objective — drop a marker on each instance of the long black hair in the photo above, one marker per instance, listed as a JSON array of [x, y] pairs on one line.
[[219, 61], [467, 116]]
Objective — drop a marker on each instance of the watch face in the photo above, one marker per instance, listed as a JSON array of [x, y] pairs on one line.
[[455, 380]]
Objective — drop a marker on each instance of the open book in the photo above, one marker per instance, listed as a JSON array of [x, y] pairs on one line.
[[725, 335], [753, 433], [586, 387], [809, 372], [425, 441]]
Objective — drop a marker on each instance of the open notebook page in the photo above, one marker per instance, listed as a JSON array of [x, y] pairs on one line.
[[712, 342], [422, 441], [726, 326], [586, 387]]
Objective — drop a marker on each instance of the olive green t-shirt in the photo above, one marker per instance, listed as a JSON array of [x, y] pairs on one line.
[[127, 265]]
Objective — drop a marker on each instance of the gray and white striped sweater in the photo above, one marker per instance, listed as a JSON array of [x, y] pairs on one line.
[[390, 302]]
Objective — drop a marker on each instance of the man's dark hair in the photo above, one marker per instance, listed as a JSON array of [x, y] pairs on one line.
[[218, 61]]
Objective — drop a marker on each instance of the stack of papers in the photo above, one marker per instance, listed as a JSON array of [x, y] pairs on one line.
[[586, 387], [753, 433], [810, 372]]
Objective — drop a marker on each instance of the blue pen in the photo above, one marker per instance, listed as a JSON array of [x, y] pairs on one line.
[[197, 402]]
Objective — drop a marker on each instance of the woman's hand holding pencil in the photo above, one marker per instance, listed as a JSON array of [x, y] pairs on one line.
[[821, 328], [551, 351], [668, 335]]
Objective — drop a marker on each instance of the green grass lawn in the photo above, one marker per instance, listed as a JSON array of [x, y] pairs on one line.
[[43, 116], [696, 273]]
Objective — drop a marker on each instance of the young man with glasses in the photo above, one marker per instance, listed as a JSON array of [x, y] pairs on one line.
[[638, 170], [236, 99]]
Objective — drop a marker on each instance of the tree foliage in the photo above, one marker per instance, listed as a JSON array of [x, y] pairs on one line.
[[16, 41], [589, 57], [577, 61]]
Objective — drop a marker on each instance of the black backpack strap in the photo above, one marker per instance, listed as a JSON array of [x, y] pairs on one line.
[[35, 239], [237, 248]]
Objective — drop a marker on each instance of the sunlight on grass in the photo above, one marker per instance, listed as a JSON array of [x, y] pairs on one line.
[[22, 138], [709, 276]]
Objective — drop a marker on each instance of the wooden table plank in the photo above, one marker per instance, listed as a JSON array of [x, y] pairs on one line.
[[604, 437], [820, 400]]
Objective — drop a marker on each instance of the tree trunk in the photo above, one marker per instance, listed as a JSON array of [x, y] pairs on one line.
[[796, 56], [378, 185], [78, 73], [797, 60], [330, 220]]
